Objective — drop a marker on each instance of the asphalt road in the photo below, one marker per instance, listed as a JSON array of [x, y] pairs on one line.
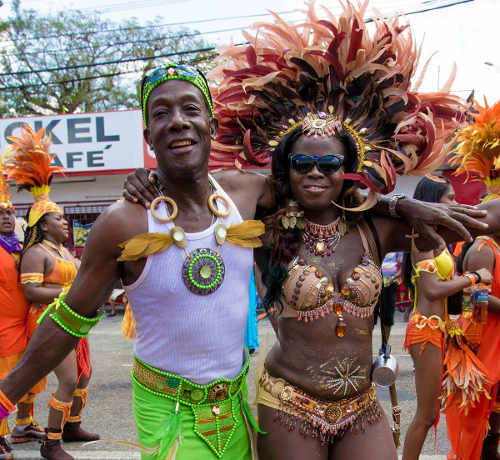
[[109, 406]]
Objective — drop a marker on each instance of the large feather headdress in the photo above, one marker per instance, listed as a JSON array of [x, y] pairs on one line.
[[478, 149], [333, 64], [28, 162]]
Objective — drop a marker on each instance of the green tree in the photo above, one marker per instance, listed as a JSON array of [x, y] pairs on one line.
[[76, 62]]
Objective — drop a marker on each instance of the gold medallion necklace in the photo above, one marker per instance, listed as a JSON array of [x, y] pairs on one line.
[[203, 269]]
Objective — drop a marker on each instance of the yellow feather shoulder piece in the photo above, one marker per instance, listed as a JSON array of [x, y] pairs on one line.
[[245, 235], [144, 245]]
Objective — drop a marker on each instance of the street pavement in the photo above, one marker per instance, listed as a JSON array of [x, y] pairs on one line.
[[109, 409]]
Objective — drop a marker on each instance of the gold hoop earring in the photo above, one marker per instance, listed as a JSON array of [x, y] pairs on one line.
[[212, 206], [166, 199]]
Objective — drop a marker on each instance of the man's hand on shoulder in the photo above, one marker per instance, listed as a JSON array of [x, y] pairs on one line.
[[248, 189]]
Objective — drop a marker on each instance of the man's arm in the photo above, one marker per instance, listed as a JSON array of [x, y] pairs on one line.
[[434, 223], [91, 287], [248, 190], [476, 259]]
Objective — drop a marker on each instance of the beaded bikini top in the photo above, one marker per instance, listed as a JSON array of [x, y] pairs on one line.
[[312, 294]]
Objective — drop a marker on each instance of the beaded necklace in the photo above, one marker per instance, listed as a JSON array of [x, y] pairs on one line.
[[321, 240], [203, 269]]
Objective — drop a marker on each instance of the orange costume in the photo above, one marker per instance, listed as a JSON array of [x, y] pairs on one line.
[[423, 329], [13, 337], [62, 274], [13, 313], [466, 433], [478, 156]]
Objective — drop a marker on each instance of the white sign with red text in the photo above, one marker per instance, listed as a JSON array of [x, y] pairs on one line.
[[93, 142]]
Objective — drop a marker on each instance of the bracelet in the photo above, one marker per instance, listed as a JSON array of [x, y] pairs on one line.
[[67, 319], [472, 278], [6, 403], [393, 201], [479, 279]]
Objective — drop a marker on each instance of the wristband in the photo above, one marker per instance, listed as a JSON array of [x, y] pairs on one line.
[[479, 279], [393, 201], [471, 277]]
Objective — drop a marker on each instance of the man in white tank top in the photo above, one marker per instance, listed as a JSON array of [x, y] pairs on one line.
[[190, 301]]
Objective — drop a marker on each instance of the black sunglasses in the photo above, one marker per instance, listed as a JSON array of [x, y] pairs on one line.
[[302, 163]]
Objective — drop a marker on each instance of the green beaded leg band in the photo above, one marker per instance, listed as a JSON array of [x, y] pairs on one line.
[[73, 323]]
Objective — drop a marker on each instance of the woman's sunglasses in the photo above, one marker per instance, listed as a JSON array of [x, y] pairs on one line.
[[326, 165]]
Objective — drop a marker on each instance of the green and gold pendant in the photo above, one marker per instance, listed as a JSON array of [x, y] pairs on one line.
[[203, 271]]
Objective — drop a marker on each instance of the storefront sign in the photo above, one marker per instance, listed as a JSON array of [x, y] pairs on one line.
[[91, 142]]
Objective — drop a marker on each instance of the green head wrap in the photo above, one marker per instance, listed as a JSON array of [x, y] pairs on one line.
[[172, 71]]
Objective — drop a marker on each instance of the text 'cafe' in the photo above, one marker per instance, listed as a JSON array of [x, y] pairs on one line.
[[97, 150]]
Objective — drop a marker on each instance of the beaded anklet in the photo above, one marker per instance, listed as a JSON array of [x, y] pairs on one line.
[[73, 323]]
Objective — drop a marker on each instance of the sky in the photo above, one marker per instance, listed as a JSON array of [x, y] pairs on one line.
[[466, 34]]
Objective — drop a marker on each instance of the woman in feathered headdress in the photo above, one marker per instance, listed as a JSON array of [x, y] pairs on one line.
[[334, 107], [47, 269], [13, 340], [478, 156]]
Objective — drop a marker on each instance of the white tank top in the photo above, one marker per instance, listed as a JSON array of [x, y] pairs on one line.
[[198, 337]]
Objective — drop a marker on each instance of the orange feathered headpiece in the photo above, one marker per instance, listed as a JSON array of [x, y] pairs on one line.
[[364, 76], [478, 149], [28, 162], [4, 187]]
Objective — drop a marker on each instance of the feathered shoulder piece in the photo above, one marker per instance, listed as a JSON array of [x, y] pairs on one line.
[[478, 149], [333, 65], [28, 162]]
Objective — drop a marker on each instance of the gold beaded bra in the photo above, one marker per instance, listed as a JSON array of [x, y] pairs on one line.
[[312, 294]]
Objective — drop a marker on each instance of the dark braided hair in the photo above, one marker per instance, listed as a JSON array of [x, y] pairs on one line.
[[32, 235], [285, 243]]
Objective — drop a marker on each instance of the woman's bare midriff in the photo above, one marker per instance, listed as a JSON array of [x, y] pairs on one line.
[[311, 357]]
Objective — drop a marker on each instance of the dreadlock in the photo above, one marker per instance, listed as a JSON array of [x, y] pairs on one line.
[[32, 235]]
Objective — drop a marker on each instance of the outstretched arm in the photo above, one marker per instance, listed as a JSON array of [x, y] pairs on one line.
[[434, 223], [91, 287], [432, 288]]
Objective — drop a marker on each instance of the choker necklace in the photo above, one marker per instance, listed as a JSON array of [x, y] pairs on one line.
[[321, 240], [203, 269], [59, 249]]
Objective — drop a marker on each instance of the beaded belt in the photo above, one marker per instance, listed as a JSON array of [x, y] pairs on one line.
[[329, 417], [183, 390], [434, 322]]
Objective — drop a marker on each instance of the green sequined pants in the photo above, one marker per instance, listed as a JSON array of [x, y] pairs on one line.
[[207, 433]]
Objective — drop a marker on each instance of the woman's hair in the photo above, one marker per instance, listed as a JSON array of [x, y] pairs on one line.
[[284, 243], [33, 235], [431, 190]]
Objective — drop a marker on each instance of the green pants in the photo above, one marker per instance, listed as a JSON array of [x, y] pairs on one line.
[[200, 441]]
